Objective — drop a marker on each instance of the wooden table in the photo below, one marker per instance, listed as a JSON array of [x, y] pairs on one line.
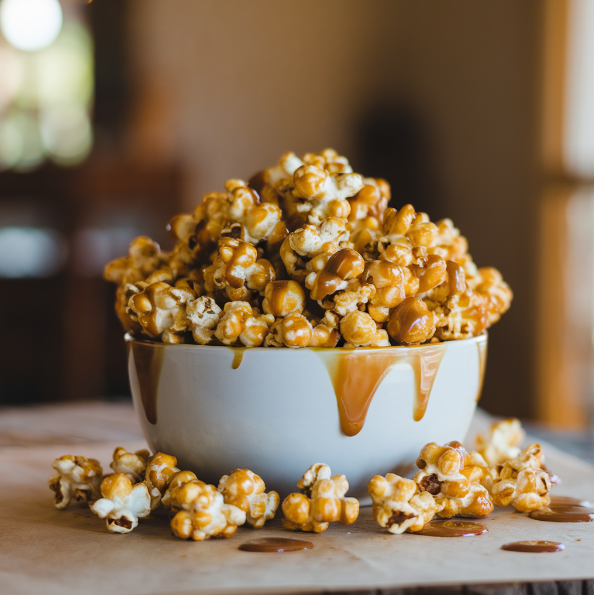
[[66, 552]]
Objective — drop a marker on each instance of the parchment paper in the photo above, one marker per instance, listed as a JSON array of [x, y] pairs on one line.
[[44, 550]]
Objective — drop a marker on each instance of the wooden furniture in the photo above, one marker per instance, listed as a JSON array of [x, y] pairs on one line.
[[61, 339]]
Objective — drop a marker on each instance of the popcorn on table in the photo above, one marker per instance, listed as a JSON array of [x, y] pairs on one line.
[[502, 443], [453, 477], [300, 239], [122, 504], [77, 478], [399, 506], [322, 503], [246, 490], [521, 481], [202, 512]]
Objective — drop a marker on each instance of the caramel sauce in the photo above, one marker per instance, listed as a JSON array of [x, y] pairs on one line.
[[356, 376], [276, 544], [568, 501], [482, 355], [237, 357], [148, 361], [456, 278], [534, 547], [563, 514], [342, 265], [452, 529]]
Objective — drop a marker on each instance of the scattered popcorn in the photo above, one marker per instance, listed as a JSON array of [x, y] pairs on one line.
[[203, 513], [160, 469], [399, 506], [122, 504], [502, 443], [322, 503], [306, 236], [246, 490], [453, 477], [520, 481], [77, 478], [131, 464]]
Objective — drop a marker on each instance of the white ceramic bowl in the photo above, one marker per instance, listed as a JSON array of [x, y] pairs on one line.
[[276, 411]]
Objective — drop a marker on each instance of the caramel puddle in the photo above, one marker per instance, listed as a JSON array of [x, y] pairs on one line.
[[276, 544], [356, 376], [482, 354], [534, 547], [452, 529], [148, 361]]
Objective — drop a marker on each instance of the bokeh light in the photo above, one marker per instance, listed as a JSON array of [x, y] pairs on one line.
[[30, 25]]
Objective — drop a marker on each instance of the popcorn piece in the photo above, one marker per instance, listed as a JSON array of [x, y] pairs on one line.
[[370, 202], [309, 241], [241, 324], [324, 332], [453, 477], [237, 270], [246, 490], [160, 309], [490, 284], [178, 479], [388, 280], [412, 322], [77, 477], [144, 257], [122, 503], [282, 298], [199, 232], [323, 502], [258, 220], [358, 329], [399, 506], [520, 481], [203, 317], [334, 273], [160, 469], [203, 513], [131, 464], [293, 330], [502, 442]]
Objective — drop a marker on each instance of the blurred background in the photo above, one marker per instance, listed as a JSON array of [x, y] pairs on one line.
[[117, 114]]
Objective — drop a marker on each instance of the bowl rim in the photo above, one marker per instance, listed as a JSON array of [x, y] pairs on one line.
[[129, 339]]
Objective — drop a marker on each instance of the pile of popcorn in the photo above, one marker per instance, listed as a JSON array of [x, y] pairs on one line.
[[306, 254], [450, 482]]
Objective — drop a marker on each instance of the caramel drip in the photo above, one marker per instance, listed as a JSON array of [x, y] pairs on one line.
[[276, 544], [482, 355], [534, 547], [342, 265], [563, 514], [356, 376], [452, 529], [148, 361], [237, 357], [425, 365]]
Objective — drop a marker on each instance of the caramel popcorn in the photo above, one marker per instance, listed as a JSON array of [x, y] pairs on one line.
[[160, 469], [305, 236], [246, 490], [77, 477], [122, 504], [502, 442], [453, 477], [399, 506], [521, 481], [131, 464], [178, 479], [242, 324], [203, 513], [322, 503]]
